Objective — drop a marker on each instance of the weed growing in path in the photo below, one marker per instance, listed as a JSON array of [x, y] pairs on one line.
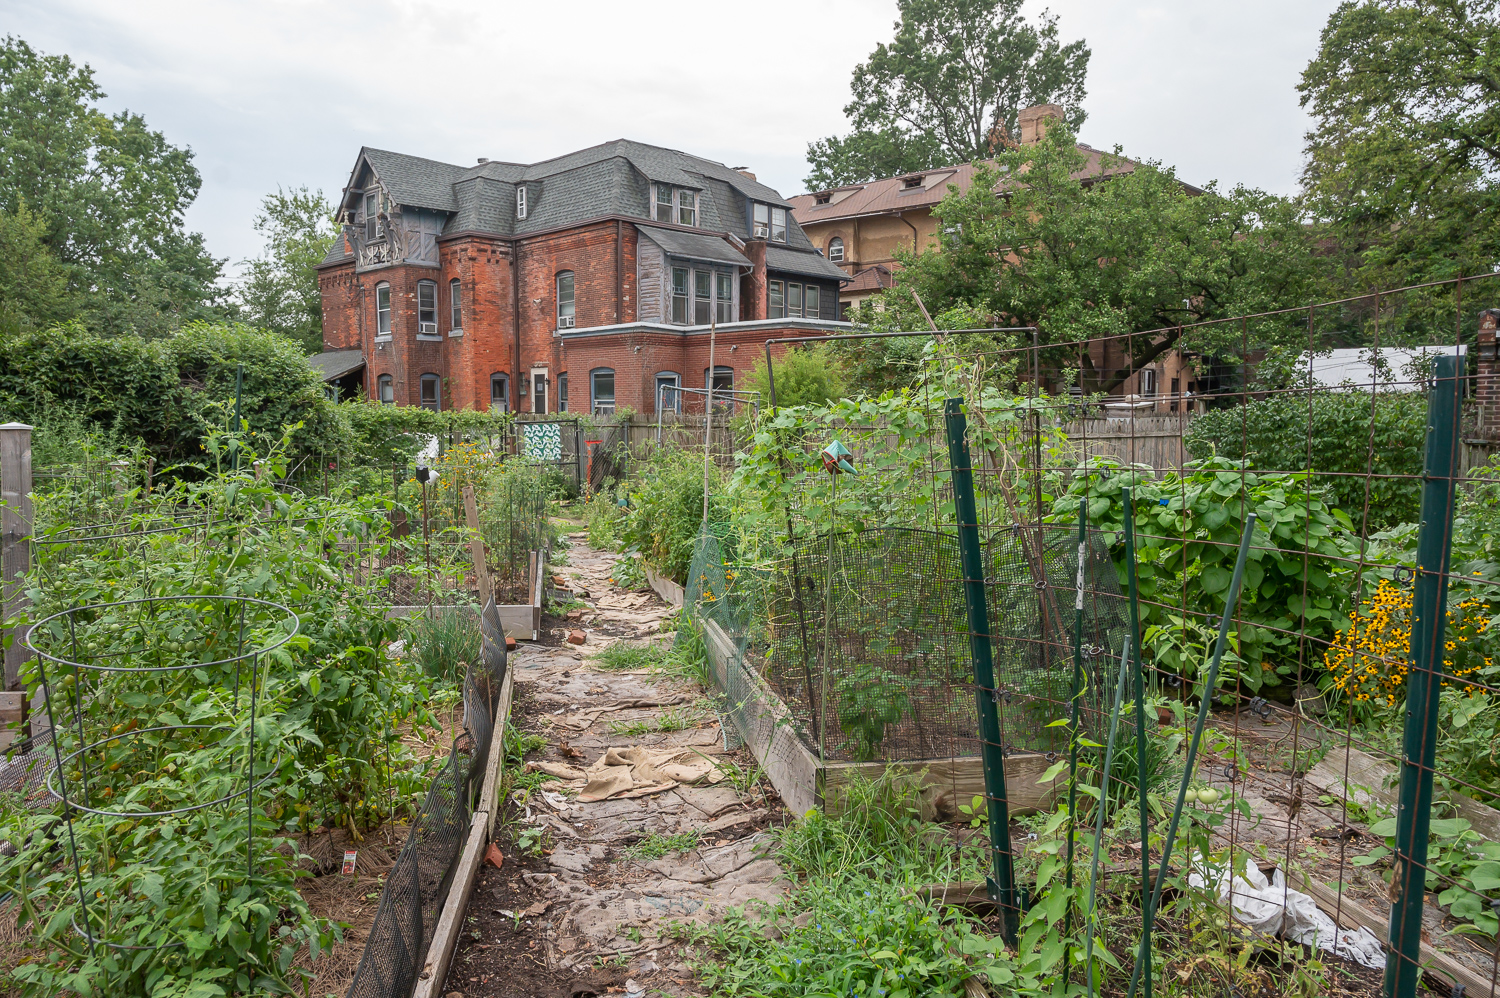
[[657, 845]]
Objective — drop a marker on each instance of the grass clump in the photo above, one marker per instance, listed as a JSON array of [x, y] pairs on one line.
[[672, 720], [685, 657], [657, 845], [855, 923], [445, 640]]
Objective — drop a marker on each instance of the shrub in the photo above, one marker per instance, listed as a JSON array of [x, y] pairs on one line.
[[666, 510], [1342, 435], [809, 375]]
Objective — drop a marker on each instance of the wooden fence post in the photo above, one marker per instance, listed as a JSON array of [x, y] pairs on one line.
[[476, 547], [15, 538]]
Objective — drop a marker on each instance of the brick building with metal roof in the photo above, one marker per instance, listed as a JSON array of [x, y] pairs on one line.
[[581, 283]]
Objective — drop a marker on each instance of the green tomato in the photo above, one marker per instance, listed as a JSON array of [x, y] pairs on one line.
[[1208, 796]]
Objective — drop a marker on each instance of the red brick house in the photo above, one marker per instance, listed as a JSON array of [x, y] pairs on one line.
[[583, 283]]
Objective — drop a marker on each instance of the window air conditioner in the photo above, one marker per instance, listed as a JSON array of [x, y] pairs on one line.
[[427, 327], [565, 322]]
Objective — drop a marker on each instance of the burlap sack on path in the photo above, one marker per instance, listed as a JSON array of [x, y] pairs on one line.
[[637, 771]]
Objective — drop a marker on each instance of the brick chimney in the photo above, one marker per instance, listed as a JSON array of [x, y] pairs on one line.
[[1487, 378], [1033, 122], [753, 284]]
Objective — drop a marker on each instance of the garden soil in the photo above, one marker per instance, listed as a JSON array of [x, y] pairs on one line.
[[594, 911]]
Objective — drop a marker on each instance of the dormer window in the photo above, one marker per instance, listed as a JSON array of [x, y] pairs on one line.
[[373, 228], [911, 183], [663, 211], [520, 202], [822, 198], [687, 208], [767, 222]]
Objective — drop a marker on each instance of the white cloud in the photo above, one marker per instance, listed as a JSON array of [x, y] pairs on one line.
[[284, 92]]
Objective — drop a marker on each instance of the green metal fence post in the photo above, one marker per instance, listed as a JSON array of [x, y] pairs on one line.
[[1143, 965], [1428, 632], [1077, 692], [1002, 884]]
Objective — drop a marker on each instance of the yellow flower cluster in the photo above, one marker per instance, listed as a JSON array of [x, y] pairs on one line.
[[1370, 659]]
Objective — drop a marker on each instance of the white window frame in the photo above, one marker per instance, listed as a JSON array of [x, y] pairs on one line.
[[674, 297], [374, 227], [521, 201], [760, 223], [793, 300], [775, 310], [567, 309], [687, 207], [426, 326], [662, 203], [703, 303], [836, 249], [455, 305], [382, 314], [778, 213], [723, 303]]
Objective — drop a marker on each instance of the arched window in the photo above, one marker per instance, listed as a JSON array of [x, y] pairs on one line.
[[427, 306], [500, 393], [387, 389], [382, 309], [432, 392], [602, 391], [565, 316], [668, 397], [456, 304], [836, 249]]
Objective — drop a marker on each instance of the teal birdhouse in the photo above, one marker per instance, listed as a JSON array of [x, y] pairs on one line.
[[837, 459]]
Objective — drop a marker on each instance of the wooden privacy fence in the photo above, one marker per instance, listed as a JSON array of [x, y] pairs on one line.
[[1154, 440]]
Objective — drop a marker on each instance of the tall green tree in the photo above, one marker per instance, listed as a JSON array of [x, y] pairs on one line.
[[1029, 245], [947, 89], [280, 288], [1404, 153], [109, 194], [33, 284]]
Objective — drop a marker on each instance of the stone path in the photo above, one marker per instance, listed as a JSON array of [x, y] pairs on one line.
[[595, 912]]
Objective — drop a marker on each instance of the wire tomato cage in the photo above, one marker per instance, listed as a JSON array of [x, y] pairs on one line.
[[194, 663]]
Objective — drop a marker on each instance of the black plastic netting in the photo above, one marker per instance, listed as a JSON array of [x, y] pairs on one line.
[[416, 886], [867, 638]]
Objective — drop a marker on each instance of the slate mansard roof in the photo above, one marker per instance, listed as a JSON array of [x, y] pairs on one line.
[[609, 179]]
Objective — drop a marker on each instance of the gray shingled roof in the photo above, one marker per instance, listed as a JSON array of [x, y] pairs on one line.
[[412, 180], [332, 364], [608, 179], [806, 264], [693, 246]]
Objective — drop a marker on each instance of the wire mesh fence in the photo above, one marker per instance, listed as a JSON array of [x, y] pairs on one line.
[[416, 886], [1291, 748]]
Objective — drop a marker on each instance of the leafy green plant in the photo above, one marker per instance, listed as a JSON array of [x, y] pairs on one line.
[[666, 509], [871, 699], [1188, 527], [656, 845], [1461, 863]]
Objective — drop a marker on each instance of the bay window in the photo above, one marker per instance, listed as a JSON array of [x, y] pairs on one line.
[[455, 303], [702, 296], [794, 300], [724, 301], [812, 303], [680, 295], [775, 300]]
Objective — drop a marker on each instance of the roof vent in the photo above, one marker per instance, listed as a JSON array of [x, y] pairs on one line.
[[483, 160]]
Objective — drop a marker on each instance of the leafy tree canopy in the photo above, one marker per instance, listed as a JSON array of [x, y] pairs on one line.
[[1137, 251], [105, 197], [947, 89], [1403, 156], [280, 288]]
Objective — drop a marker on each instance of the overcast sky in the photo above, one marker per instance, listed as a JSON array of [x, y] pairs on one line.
[[270, 92]]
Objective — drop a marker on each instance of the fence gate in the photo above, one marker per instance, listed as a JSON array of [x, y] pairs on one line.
[[555, 441]]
